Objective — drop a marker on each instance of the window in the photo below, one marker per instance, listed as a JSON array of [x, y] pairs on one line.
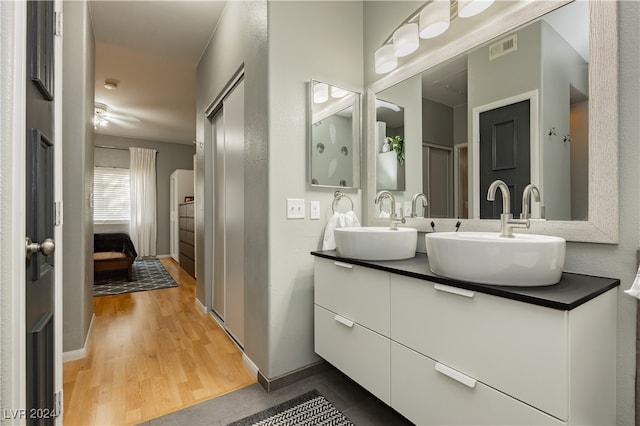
[[110, 195]]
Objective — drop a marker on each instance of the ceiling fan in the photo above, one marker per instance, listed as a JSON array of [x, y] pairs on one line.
[[105, 115]]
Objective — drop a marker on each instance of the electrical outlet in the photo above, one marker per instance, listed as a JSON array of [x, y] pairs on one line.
[[295, 208], [407, 208], [314, 207]]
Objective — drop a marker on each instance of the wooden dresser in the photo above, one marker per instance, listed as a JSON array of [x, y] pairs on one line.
[[187, 242]]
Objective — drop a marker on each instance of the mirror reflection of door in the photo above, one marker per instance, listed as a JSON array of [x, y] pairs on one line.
[[437, 180], [461, 180], [505, 155]]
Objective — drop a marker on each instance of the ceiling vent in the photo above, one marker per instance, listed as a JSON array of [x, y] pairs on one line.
[[503, 47]]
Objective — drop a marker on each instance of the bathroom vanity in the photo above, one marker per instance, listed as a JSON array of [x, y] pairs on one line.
[[441, 351]]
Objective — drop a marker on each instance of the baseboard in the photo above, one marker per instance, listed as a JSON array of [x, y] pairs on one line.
[[200, 307], [82, 352], [294, 376], [163, 256], [250, 366]]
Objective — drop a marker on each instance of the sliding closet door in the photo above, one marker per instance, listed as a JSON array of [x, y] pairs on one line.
[[233, 111], [218, 215]]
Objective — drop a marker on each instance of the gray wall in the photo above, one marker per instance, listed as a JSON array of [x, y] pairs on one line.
[[278, 266], [170, 156], [307, 40], [77, 145], [615, 260], [232, 47], [437, 123]]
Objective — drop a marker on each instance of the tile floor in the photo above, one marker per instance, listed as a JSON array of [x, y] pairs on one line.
[[355, 402]]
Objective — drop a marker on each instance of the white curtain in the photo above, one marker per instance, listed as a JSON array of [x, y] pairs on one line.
[[142, 186]]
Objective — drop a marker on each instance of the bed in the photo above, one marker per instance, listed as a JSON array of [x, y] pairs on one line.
[[112, 252]]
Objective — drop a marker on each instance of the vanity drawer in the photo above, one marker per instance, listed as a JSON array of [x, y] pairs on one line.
[[358, 293], [358, 352], [518, 348], [428, 395]]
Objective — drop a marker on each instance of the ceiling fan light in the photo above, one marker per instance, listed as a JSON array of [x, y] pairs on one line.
[[435, 18], [469, 8], [385, 60], [320, 93], [405, 40]]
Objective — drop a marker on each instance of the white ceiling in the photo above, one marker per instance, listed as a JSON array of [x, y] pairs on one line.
[[152, 48]]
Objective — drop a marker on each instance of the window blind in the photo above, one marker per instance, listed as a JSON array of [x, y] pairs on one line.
[[111, 195]]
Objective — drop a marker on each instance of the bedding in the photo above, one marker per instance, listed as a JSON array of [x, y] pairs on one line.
[[113, 251]]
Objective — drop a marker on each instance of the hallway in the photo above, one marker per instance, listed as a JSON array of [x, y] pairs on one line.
[[150, 353]]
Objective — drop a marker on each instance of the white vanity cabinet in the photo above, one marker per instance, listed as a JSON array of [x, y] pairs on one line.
[[352, 323], [457, 356]]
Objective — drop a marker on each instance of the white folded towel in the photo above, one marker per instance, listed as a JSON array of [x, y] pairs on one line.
[[338, 220], [635, 287]]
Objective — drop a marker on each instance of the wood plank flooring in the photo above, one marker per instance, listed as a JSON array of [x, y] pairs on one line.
[[150, 353]]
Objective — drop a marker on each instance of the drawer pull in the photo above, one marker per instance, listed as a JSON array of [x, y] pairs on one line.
[[455, 375], [454, 290], [343, 265], [344, 321]]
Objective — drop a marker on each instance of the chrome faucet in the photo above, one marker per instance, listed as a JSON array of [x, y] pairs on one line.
[[507, 222], [529, 191], [393, 219], [414, 203]]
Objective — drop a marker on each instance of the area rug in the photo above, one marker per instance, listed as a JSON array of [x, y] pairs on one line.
[[309, 409], [146, 274]]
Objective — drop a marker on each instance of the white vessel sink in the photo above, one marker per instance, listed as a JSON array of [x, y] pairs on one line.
[[483, 257], [376, 243]]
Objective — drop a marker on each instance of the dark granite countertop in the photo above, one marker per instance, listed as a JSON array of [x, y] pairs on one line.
[[572, 291]]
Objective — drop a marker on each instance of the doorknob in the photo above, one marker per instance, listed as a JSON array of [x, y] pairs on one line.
[[47, 247]]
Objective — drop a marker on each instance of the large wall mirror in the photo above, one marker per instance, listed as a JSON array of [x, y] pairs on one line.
[[535, 102], [334, 145]]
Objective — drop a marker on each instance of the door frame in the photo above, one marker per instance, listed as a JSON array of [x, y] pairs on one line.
[[534, 143], [13, 19]]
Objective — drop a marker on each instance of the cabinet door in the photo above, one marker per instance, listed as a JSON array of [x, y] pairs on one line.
[[518, 348], [358, 293], [358, 352], [428, 393]]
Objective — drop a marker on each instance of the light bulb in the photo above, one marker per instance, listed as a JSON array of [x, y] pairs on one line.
[[469, 8], [434, 18], [405, 40], [320, 93], [338, 92], [385, 60]]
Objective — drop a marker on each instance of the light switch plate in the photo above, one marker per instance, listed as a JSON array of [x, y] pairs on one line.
[[407, 208], [295, 208], [314, 207]]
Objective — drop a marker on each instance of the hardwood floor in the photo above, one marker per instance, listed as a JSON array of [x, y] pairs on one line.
[[150, 353]]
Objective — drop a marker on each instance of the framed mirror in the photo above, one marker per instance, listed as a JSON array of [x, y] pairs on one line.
[[334, 143], [533, 60]]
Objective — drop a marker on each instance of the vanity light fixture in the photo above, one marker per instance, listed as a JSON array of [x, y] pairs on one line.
[[430, 20], [320, 93], [469, 8], [435, 18], [385, 60], [338, 92], [405, 40]]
